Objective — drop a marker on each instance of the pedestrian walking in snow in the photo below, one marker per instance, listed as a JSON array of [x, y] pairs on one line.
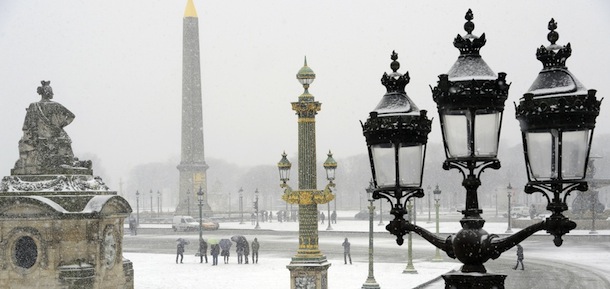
[[519, 258], [255, 247], [203, 251], [322, 217], [346, 251], [333, 217], [180, 249], [246, 250], [214, 251]]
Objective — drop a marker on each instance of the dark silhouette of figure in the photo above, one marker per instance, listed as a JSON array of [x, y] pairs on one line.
[[133, 226], [346, 251], [255, 247], [333, 217], [203, 251], [180, 249], [519, 258], [322, 217], [225, 247], [214, 251], [246, 250]]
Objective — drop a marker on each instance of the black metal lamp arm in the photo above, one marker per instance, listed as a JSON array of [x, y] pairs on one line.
[[446, 245], [500, 245]]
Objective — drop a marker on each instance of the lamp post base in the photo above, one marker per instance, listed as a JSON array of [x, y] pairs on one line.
[[312, 274], [370, 285], [409, 270], [460, 280]]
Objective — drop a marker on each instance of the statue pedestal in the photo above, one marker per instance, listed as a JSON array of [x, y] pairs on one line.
[[308, 273], [66, 230]]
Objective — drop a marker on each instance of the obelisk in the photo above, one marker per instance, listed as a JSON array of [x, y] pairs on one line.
[[192, 165]]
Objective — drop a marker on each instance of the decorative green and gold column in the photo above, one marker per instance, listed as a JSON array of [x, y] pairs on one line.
[[308, 268]]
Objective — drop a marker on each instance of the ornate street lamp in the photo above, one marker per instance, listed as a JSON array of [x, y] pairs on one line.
[[138, 207], [256, 208], [557, 117], [410, 269], [437, 205], [308, 266], [200, 200], [158, 203], [330, 165], [380, 213], [370, 282], [151, 203], [396, 136], [429, 206], [509, 192], [241, 205]]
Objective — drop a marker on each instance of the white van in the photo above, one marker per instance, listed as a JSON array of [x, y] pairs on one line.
[[184, 223]]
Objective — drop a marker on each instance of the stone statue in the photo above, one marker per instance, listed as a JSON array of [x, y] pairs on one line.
[[45, 147]]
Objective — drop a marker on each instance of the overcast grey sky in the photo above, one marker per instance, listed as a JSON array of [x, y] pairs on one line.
[[117, 65]]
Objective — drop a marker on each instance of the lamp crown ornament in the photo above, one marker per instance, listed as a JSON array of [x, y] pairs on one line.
[[306, 75], [395, 82], [554, 55], [469, 44]]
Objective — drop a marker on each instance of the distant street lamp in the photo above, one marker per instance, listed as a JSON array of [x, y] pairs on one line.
[[370, 282], [380, 213], [138, 207], [151, 204], [330, 165], [437, 205], [410, 269], [429, 205], [256, 208], [241, 205], [159, 203], [509, 191], [229, 205], [200, 200]]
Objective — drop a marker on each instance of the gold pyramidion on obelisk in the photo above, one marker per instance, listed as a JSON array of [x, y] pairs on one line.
[[190, 10]]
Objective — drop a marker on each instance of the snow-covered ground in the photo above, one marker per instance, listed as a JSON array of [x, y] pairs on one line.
[[160, 270]]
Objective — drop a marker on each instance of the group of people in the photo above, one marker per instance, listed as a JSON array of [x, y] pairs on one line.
[[268, 216], [222, 248], [333, 217]]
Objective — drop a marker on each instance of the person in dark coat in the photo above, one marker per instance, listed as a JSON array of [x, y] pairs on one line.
[[246, 250], [214, 251], [180, 249], [133, 227], [255, 247], [519, 257], [203, 251], [322, 217], [346, 251], [225, 247], [333, 217], [240, 253]]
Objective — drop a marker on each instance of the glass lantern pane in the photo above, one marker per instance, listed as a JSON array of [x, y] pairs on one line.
[[410, 160], [540, 151], [456, 130], [575, 146], [330, 173], [284, 173], [385, 164], [486, 129]]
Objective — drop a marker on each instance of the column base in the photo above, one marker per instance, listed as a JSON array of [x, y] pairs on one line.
[[308, 273], [461, 280]]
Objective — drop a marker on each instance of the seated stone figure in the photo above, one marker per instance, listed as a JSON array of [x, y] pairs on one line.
[[45, 147]]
